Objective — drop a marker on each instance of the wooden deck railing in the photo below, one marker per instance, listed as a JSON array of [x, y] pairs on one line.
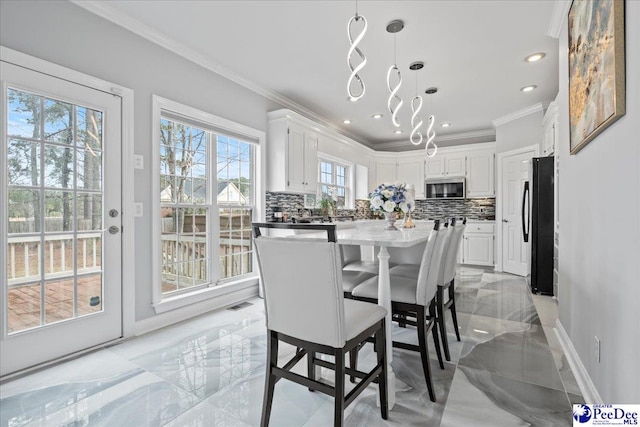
[[25, 256], [182, 260]]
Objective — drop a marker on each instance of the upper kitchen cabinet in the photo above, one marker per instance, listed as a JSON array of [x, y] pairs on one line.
[[445, 165], [481, 173], [402, 169], [292, 155], [386, 171], [550, 124], [362, 182], [411, 172]]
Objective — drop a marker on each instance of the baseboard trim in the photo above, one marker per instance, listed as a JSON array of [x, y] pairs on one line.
[[587, 387], [178, 315]]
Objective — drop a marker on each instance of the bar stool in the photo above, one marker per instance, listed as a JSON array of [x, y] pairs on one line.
[[305, 307], [413, 300], [445, 282]]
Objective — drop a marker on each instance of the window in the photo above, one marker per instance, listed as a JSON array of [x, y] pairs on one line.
[[207, 177], [235, 205], [185, 206], [334, 182]]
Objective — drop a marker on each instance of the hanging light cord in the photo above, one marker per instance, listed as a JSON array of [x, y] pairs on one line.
[[360, 90]]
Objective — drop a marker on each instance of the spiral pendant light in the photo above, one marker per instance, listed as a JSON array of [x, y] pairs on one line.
[[394, 103], [430, 147], [416, 106], [353, 48]]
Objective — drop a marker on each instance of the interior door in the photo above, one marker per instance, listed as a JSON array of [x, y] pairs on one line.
[[60, 230], [515, 252]]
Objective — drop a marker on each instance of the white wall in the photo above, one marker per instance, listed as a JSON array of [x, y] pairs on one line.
[[519, 133], [60, 32], [599, 258]]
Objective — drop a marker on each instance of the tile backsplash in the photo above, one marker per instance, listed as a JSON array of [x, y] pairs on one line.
[[291, 203], [476, 209]]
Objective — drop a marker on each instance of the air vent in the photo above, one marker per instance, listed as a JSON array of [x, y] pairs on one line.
[[239, 306]]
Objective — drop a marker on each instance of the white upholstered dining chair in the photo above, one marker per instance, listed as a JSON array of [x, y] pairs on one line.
[[413, 300], [306, 308], [446, 280]]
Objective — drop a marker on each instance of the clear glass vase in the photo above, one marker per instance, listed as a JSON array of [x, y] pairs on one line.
[[390, 218]]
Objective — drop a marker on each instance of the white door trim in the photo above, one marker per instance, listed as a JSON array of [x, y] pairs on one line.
[[536, 150], [126, 94]]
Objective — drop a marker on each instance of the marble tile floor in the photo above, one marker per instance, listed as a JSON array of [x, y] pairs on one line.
[[508, 370]]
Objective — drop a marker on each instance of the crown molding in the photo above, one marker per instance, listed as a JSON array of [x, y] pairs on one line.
[[560, 11], [540, 106], [103, 10], [485, 135], [286, 114]]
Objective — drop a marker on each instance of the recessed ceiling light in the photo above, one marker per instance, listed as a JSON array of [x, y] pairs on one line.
[[528, 88], [376, 116], [397, 131], [346, 122], [446, 125], [535, 57]]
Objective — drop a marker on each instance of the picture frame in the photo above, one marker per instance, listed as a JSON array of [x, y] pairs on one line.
[[596, 69]]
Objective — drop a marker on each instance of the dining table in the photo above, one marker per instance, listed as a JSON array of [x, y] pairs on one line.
[[373, 233]]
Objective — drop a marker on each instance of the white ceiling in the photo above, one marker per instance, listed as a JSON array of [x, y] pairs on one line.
[[473, 53]]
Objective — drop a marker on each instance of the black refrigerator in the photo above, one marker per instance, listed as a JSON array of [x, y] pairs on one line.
[[538, 225]]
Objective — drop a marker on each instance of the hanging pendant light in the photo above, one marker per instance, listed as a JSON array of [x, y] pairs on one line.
[[394, 27], [354, 96], [430, 147], [416, 105]]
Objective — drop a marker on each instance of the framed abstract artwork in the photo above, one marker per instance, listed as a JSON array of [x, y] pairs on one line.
[[596, 68]]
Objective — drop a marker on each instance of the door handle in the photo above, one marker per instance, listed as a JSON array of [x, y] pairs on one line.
[[525, 197], [114, 229]]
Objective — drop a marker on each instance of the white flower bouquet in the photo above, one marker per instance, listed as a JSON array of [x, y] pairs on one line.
[[389, 198]]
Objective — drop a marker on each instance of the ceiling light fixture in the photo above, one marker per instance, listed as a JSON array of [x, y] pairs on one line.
[[535, 57], [528, 88], [376, 116], [346, 122], [446, 125], [416, 105], [354, 96], [431, 134], [394, 27]]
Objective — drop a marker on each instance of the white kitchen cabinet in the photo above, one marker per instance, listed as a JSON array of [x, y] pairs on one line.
[[446, 165], [385, 172], [362, 182], [292, 157], [550, 124], [411, 172], [478, 244], [481, 174], [404, 170]]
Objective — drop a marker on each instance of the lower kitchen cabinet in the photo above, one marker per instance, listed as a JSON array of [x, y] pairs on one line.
[[478, 244]]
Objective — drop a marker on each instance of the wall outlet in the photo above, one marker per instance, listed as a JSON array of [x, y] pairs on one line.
[[137, 209], [597, 348], [138, 161]]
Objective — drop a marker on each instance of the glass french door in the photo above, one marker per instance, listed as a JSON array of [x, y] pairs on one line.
[[61, 218]]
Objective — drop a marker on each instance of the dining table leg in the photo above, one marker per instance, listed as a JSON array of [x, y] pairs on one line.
[[384, 299]]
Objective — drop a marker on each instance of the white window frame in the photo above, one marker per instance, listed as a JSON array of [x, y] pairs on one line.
[[162, 303], [349, 197]]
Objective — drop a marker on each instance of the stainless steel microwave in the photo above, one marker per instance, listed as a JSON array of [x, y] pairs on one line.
[[445, 188]]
